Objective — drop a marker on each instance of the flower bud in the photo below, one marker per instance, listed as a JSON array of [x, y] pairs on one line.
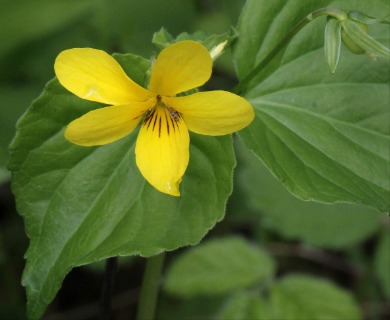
[[350, 43], [356, 38], [332, 43]]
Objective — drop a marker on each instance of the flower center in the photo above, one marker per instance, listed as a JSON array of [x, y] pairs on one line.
[[162, 119]]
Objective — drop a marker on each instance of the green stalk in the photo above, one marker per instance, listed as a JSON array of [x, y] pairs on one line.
[[108, 287], [336, 13], [149, 289]]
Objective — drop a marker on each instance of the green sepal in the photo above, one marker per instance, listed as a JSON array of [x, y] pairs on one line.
[[358, 34], [366, 19], [332, 44], [350, 44]]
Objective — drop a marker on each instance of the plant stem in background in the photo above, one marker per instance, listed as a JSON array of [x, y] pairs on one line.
[[108, 287], [149, 290]]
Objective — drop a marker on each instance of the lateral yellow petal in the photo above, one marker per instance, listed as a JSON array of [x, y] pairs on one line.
[[94, 75], [180, 67], [213, 113], [162, 150], [106, 125]]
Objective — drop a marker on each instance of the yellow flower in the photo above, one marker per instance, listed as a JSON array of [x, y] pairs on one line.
[[162, 147]]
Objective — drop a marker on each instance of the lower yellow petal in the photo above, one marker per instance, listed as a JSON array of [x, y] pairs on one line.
[[106, 125], [213, 113], [162, 150], [94, 75]]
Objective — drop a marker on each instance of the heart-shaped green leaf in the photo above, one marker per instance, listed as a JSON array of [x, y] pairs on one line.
[[83, 204], [325, 136]]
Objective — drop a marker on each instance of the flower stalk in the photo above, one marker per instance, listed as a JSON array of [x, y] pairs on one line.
[[108, 287], [149, 289]]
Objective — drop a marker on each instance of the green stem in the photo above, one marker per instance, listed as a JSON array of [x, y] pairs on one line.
[[108, 287], [149, 289], [335, 13]]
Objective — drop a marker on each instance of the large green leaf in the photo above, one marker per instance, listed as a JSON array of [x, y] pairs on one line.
[[297, 297], [325, 136], [336, 226], [217, 267], [82, 204]]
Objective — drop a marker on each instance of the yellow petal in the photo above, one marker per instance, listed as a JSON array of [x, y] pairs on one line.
[[162, 150], [94, 75], [213, 113], [180, 67], [106, 125]]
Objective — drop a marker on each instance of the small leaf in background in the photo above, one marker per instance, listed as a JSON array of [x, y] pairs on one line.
[[332, 44], [297, 297], [325, 225], [382, 263], [215, 43], [325, 136], [162, 38], [217, 267], [82, 205], [244, 306]]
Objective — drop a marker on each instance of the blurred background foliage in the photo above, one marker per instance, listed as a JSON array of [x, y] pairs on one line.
[[346, 244]]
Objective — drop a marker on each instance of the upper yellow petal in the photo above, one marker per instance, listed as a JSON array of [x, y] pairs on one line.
[[106, 125], [180, 67], [213, 113], [94, 75], [162, 150]]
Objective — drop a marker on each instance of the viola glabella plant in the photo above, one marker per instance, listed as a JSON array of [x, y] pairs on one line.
[[162, 148], [101, 160]]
